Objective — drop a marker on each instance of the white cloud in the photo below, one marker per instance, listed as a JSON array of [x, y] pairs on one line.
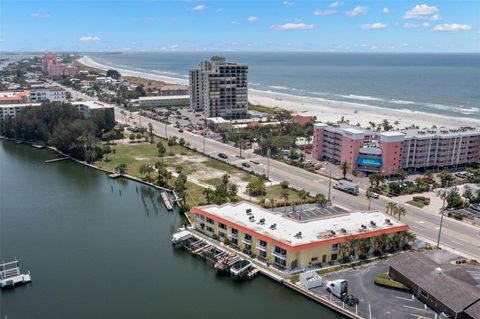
[[436, 17], [288, 3], [363, 45], [373, 26], [420, 11], [454, 27], [219, 10], [200, 7], [253, 19], [40, 15], [334, 4], [386, 10], [373, 47], [405, 44], [416, 25], [324, 13], [293, 26], [90, 38], [356, 11]]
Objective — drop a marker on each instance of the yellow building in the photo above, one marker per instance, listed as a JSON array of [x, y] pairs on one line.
[[287, 242]]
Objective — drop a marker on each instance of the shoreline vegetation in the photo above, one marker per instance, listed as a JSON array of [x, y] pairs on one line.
[[324, 110]]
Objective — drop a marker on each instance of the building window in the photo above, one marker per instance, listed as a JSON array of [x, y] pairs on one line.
[[324, 258], [334, 257], [234, 231], [222, 226], [210, 229], [280, 262], [334, 247], [210, 221], [234, 241], [200, 217], [263, 243], [248, 237], [262, 253], [280, 250], [248, 247], [423, 293], [222, 235], [314, 259]]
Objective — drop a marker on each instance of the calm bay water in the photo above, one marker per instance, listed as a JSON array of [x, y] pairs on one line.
[[99, 248], [447, 84]]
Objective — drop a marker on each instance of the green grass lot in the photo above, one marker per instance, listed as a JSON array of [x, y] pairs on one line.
[[383, 279], [275, 191], [416, 203]]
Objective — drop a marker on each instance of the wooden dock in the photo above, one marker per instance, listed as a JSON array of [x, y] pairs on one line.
[[115, 175], [252, 273], [166, 201], [57, 159]]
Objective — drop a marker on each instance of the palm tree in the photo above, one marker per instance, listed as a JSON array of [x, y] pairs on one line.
[[285, 194], [401, 211], [303, 196], [208, 193], [345, 167], [400, 172], [364, 246], [379, 242], [161, 150], [369, 195], [352, 244], [171, 143], [146, 169], [390, 208], [181, 142], [321, 199]]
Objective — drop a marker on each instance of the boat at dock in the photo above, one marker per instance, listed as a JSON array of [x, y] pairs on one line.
[[240, 268], [224, 263], [10, 275], [179, 238]]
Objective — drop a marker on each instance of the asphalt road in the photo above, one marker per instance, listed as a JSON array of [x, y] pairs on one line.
[[458, 237]]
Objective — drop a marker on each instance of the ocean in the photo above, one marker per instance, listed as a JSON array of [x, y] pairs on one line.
[[444, 84]]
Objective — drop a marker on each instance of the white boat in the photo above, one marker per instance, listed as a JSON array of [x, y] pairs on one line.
[[10, 275], [181, 236], [240, 267]]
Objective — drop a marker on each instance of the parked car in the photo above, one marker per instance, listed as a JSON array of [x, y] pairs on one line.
[[180, 130], [246, 164], [375, 195], [222, 155]]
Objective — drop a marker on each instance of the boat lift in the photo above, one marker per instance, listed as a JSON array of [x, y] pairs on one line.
[[10, 275]]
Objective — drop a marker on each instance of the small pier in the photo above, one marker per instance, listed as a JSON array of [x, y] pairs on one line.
[[115, 175], [166, 201], [57, 159], [178, 199], [222, 259], [10, 275]]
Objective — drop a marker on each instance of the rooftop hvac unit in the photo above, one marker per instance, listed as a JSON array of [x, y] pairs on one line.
[[273, 226], [343, 230], [262, 221]]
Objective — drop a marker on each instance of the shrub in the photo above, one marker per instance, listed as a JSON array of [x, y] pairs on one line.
[[383, 279]]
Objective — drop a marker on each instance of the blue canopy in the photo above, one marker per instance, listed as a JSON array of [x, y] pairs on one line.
[[366, 161]]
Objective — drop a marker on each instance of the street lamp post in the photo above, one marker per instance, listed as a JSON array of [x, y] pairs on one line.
[[268, 164], [329, 184], [441, 217]]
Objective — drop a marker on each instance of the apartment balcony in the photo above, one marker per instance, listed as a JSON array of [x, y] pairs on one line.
[[233, 235], [247, 241], [279, 255], [260, 247]]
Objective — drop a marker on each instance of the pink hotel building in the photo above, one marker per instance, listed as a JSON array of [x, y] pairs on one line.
[[52, 67], [369, 151]]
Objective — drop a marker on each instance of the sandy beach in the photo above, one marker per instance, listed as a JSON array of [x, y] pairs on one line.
[[324, 110]]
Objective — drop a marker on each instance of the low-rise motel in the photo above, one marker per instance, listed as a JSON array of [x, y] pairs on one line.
[[291, 242]]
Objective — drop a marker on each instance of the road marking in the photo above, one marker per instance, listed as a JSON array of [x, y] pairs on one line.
[[410, 307], [458, 243], [403, 298]]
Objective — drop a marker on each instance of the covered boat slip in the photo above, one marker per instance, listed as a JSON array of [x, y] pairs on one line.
[[10, 275], [224, 261]]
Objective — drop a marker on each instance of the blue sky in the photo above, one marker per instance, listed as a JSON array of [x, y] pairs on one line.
[[248, 25]]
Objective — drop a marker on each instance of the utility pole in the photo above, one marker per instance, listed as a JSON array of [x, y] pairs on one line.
[[166, 137], [204, 133], [268, 164], [441, 212], [329, 184]]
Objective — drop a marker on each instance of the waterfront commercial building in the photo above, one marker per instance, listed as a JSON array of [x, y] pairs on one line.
[[368, 151], [52, 67], [288, 242], [220, 89], [162, 101]]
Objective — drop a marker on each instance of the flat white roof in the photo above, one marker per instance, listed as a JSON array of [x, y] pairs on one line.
[[353, 130], [93, 104], [312, 230], [164, 98]]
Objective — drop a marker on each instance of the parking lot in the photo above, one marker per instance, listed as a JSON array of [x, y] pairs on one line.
[[380, 301]]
